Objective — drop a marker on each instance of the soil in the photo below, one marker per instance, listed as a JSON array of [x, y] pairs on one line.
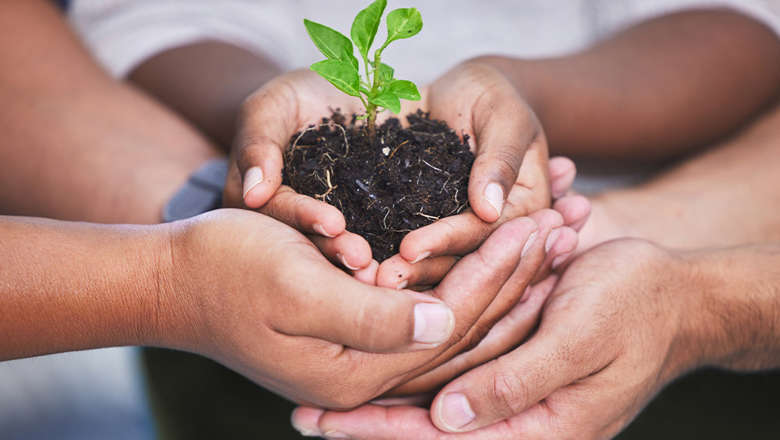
[[407, 178]]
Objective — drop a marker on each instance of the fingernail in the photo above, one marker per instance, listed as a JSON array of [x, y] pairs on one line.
[[456, 411], [402, 285], [252, 178], [528, 244], [307, 432], [318, 228], [494, 195], [421, 257], [560, 259], [433, 323], [552, 237], [336, 435], [344, 262]]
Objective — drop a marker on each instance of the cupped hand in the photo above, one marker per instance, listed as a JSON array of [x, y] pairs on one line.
[[257, 296], [574, 209], [268, 119], [509, 178], [612, 334]]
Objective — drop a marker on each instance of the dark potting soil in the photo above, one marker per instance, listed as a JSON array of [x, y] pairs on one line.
[[410, 177]]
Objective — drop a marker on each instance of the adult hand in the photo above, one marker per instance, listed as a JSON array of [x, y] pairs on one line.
[[615, 329], [257, 296]]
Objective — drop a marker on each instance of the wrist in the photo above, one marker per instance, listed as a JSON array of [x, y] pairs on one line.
[[167, 318], [739, 327]]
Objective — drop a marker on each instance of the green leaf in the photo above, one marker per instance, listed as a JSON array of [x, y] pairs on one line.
[[331, 42], [366, 24], [385, 73], [405, 90], [403, 23], [341, 74], [387, 100]]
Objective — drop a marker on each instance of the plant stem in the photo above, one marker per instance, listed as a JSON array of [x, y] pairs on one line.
[[371, 121]]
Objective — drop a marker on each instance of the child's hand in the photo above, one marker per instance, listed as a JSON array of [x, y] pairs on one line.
[[268, 119], [509, 178]]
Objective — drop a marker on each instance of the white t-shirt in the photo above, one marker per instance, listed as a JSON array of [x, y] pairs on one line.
[[122, 33]]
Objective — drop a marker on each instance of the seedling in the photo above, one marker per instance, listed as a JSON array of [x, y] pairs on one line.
[[378, 89]]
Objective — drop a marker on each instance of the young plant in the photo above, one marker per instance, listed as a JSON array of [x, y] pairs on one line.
[[378, 89]]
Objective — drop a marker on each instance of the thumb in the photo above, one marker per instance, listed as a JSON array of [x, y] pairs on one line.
[[260, 167], [345, 311], [506, 386], [268, 118], [505, 128]]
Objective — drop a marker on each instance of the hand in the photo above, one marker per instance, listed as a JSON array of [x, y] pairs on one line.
[[268, 119], [574, 209], [468, 98], [509, 177], [613, 333], [257, 296]]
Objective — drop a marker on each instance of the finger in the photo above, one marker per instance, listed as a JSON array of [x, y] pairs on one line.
[[508, 385], [422, 400], [468, 289], [267, 120], [575, 210], [377, 422], [373, 422], [560, 246], [304, 213], [462, 233], [506, 334], [562, 174], [348, 250], [486, 270], [511, 290], [368, 274], [306, 420], [333, 306], [398, 273], [505, 129], [456, 235]]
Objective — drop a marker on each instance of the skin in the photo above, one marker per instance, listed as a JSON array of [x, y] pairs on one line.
[[614, 341], [726, 70], [580, 101], [511, 153], [183, 285], [703, 275], [132, 292], [223, 74], [159, 285], [66, 126], [620, 99]]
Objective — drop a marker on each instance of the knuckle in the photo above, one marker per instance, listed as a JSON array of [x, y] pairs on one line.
[[475, 336], [377, 326], [508, 394], [504, 163]]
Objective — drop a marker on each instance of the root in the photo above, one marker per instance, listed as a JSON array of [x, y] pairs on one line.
[[331, 187]]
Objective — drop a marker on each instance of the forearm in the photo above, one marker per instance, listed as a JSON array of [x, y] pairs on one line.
[[76, 144], [72, 286], [206, 82], [737, 323], [724, 197], [658, 89]]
